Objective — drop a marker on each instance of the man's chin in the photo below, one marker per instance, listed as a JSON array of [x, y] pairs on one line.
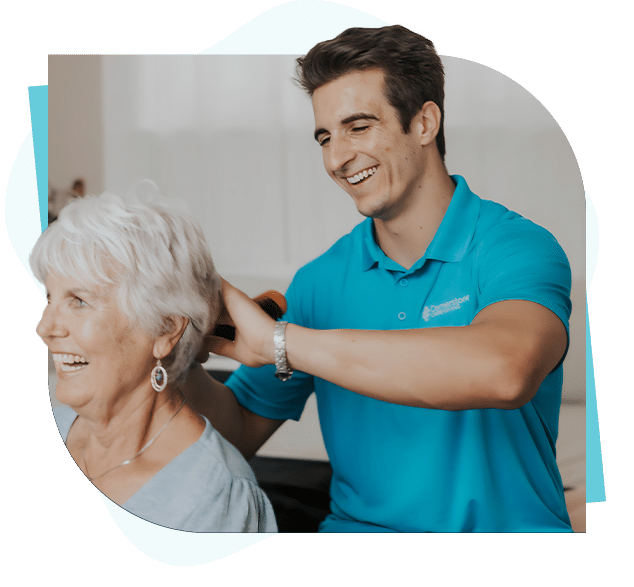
[[375, 213], [367, 209]]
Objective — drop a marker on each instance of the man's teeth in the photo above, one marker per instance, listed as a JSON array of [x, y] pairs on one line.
[[69, 362], [361, 175]]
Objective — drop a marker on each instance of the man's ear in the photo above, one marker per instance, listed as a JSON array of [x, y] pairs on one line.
[[427, 123], [166, 342]]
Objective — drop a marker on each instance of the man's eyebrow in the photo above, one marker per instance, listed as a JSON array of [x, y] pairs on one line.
[[358, 116], [352, 118], [319, 131]]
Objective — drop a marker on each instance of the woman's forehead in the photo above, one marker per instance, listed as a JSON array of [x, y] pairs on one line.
[[74, 283]]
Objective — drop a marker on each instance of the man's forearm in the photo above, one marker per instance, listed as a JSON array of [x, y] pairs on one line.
[[499, 361], [431, 369]]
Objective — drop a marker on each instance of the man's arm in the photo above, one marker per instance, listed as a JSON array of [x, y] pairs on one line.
[[244, 429], [498, 361]]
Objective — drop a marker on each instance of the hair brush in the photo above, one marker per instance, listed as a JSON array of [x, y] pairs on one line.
[[272, 302]]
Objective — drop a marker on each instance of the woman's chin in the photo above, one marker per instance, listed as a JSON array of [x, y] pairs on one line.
[[70, 394]]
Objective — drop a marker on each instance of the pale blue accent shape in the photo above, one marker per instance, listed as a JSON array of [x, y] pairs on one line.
[[595, 487], [38, 98], [595, 481]]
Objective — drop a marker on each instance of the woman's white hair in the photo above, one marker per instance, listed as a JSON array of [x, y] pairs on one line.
[[152, 251]]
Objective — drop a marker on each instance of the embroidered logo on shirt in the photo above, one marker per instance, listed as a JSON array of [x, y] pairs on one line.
[[450, 306]]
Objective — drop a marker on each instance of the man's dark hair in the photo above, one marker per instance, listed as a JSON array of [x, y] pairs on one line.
[[413, 70]]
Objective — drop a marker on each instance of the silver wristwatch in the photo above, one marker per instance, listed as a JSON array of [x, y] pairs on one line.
[[279, 342]]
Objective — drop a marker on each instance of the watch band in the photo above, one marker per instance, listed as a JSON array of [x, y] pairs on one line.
[[279, 342]]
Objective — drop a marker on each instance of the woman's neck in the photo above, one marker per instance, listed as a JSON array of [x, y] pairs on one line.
[[121, 430]]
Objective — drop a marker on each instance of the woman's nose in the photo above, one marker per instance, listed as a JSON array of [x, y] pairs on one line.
[[51, 324]]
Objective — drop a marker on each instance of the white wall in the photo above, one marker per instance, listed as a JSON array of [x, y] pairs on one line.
[[75, 126]]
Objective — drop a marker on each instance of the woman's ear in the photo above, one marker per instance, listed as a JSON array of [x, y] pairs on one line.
[[166, 342]]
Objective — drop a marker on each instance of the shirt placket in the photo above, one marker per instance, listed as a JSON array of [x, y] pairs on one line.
[[412, 291]]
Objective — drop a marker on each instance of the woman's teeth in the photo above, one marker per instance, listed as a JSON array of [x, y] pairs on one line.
[[69, 362], [361, 175]]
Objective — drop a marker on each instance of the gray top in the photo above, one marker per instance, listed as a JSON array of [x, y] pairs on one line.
[[209, 487]]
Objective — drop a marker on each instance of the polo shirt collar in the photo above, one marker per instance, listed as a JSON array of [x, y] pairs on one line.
[[450, 243]]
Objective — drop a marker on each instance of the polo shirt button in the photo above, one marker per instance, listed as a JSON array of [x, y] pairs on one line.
[[401, 316], [403, 282]]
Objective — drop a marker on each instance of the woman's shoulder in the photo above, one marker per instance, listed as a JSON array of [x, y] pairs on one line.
[[221, 453], [208, 488]]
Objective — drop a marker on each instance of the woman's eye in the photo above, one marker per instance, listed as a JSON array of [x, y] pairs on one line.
[[78, 302]]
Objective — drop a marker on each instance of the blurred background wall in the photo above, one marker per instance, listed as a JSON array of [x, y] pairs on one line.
[[75, 125], [233, 137]]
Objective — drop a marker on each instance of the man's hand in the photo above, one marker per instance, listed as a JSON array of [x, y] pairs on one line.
[[253, 341]]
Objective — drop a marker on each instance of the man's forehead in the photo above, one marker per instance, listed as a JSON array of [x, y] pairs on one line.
[[349, 96]]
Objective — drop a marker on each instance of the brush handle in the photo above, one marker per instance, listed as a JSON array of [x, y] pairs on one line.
[[272, 302]]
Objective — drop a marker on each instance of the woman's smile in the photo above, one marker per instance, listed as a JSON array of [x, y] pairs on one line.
[[68, 362]]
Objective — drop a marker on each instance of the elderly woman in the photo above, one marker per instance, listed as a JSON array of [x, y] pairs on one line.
[[131, 288]]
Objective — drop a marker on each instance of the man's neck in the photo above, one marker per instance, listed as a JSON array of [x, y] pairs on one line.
[[405, 238]]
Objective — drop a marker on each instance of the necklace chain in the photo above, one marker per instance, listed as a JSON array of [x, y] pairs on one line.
[[147, 445]]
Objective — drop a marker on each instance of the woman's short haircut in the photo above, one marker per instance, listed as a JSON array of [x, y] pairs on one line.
[[413, 71], [153, 253]]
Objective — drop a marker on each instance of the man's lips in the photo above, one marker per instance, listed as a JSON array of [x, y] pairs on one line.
[[361, 175]]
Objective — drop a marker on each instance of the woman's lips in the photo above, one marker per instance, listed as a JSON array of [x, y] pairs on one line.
[[68, 362]]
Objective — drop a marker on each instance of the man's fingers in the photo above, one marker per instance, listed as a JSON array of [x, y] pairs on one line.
[[232, 297], [219, 346]]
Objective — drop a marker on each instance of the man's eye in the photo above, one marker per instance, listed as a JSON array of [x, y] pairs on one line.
[[323, 142], [360, 128]]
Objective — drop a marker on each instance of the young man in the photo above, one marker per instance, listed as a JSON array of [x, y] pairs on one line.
[[433, 335]]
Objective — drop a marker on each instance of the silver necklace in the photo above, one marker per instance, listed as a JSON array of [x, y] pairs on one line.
[[128, 461]]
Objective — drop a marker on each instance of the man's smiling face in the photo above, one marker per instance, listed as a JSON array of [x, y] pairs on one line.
[[364, 147]]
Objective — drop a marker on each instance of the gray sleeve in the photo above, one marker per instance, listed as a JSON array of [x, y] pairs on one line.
[[248, 510]]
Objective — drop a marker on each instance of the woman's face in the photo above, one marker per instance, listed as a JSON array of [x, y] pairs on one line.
[[99, 358]]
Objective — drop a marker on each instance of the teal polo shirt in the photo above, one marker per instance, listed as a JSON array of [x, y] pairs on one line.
[[408, 469]]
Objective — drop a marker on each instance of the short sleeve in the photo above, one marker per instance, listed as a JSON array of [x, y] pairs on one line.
[[255, 510], [261, 392], [519, 260]]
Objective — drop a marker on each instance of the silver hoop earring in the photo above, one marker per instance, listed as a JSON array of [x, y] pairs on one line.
[[159, 377]]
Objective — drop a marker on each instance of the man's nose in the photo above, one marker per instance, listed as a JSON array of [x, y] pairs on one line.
[[340, 153]]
